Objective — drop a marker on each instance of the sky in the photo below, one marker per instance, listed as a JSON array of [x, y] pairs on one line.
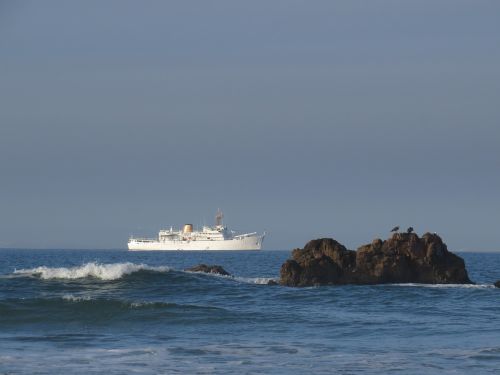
[[306, 119]]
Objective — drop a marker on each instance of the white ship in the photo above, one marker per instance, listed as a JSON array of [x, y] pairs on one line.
[[218, 237]]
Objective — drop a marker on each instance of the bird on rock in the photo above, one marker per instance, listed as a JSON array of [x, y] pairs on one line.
[[409, 230], [395, 229]]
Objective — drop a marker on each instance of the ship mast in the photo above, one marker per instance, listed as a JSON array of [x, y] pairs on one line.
[[218, 218]]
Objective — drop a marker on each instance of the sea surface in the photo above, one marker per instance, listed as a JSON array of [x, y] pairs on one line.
[[116, 312]]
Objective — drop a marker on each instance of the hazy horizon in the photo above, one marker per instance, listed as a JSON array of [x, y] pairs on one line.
[[305, 119]]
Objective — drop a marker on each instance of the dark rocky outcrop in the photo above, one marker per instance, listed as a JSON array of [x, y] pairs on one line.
[[403, 258], [497, 284], [209, 269]]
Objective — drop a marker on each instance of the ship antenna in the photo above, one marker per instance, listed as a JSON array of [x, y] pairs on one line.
[[218, 217]]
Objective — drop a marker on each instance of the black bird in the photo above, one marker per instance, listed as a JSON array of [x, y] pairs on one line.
[[395, 229], [409, 230]]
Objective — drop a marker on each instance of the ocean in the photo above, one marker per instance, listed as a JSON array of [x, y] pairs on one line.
[[118, 312]]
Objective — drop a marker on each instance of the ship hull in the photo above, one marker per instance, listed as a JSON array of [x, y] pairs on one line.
[[241, 243]]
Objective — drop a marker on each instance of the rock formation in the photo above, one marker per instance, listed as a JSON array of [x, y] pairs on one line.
[[497, 284], [209, 269], [403, 258]]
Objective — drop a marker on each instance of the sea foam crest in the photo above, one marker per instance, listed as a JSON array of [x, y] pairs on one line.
[[247, 280], [256, 280], [464, 286], [100, 271]]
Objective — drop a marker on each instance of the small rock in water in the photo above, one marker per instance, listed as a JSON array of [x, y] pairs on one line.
[[209, 269], [272, 282], [497, 284]]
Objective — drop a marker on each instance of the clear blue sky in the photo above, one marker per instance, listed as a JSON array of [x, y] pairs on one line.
[[304, 118]]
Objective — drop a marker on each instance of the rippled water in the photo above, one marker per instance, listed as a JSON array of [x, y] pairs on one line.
[[118, 312]]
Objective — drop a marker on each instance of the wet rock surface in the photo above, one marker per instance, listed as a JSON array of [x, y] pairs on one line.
[[497, 284], [209, 269], [403, 258]]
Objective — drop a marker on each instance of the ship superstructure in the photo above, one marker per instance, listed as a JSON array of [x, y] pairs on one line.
[[218, 237]]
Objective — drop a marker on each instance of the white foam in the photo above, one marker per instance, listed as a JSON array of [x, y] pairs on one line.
[[255, 280], [72, 298], [112, 271], [465, 286], [247, 280]]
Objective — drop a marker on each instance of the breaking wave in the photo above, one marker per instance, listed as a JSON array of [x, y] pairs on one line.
[[112, 271], [115, 271]]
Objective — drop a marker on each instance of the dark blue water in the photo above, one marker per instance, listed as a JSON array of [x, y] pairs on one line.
[[117, 312]]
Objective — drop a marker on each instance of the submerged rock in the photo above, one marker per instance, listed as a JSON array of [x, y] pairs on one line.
[[497, 284], [209, 269], [403, 258]]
